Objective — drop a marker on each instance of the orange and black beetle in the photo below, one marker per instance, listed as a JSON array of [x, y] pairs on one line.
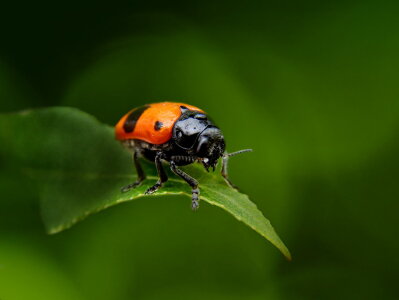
[[178, 133]]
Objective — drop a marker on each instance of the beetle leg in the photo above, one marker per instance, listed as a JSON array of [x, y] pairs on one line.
[[191, 181], [161, 174], [140, 174], [225, 162]]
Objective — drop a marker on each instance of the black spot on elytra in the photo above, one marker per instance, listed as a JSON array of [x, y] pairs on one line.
[[131, 120], [183, 108], [158, 125]]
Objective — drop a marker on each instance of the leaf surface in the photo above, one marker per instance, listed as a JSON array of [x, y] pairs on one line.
[[80, 168]]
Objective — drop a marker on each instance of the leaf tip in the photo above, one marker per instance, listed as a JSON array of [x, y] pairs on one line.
[[288, 255]]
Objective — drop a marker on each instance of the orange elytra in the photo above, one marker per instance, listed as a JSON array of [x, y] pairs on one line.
[[152, 123]]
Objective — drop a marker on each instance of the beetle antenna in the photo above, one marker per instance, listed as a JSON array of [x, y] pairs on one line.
[[237, 152]]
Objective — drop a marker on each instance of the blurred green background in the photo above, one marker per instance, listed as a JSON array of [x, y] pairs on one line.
[[311, 86]]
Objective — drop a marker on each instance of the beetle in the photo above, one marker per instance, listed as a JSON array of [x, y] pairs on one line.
[[177, 133]]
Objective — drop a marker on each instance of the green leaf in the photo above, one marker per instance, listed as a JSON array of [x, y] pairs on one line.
[[80, 168]]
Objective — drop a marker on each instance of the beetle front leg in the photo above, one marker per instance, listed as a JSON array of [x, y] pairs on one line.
[[161, 174], [225, 161], [140, 174], [191, 181]]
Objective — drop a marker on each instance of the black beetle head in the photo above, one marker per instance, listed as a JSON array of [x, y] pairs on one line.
[[210, 146], [195, 134], [188, 128]]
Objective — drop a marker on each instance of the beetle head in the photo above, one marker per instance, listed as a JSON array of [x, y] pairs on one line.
[[210, 146], [195, 134]]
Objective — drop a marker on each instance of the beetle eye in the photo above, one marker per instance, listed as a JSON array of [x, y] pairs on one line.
[[179, 134]]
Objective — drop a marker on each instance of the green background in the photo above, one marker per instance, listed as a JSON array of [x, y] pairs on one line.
[[311, 86]]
